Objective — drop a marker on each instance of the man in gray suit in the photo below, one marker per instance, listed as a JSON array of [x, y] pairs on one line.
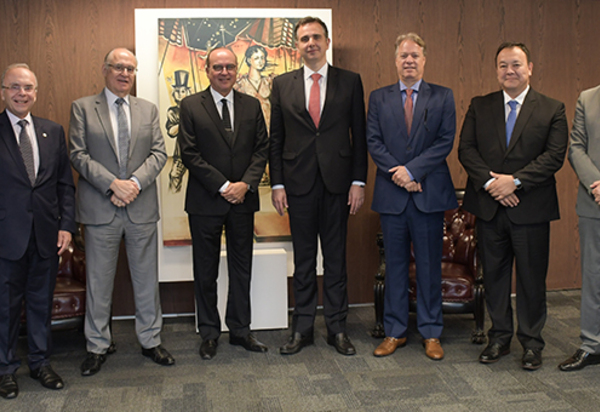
[[118, 150], [584, 155]]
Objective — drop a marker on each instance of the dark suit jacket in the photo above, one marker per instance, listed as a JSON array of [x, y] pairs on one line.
[[535, 153], [212, 158], [423, 153], [337, 148], [47, 207]]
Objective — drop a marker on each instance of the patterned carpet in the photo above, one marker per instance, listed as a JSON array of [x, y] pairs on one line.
[[318, 378]]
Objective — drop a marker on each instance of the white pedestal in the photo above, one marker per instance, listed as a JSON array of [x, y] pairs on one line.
[[268, 289]]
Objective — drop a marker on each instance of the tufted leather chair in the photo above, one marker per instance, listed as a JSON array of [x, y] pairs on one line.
[[68, 305], [462, 280]]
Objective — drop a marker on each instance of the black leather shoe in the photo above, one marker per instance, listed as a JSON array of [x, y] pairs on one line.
[[208, 349], [249, 342], [47, 377], [580, 360], [493, 352], [342, 344], [532, 359], [159, 355], [92, 364], [112, 348], [295, 344], [8, 386]]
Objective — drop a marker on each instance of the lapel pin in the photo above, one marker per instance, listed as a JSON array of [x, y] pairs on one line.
[[44, 135]]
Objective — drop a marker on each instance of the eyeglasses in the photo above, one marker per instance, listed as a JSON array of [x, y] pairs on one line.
[[220, 67], [16, 88], [119, 68]]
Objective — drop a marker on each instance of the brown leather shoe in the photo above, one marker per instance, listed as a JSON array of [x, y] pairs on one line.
[[433, 349], [389, 345]]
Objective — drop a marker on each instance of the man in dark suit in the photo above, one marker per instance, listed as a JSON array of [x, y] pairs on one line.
[[512, 143], [223, 143], [37, 217], [410, 132], [318, 165], [118, 150]]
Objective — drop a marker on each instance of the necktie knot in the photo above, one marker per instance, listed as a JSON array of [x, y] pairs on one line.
[[119, 102], [316, 77], [23, 123], [513, 104]]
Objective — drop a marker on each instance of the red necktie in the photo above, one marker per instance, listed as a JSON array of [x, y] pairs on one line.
[[408, 110], [314, 101]]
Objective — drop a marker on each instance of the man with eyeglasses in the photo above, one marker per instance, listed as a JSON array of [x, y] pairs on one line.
[[37, 217], [223, 143], [118, 150]]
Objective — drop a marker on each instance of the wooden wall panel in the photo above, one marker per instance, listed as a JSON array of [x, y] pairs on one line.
[[65, 41]]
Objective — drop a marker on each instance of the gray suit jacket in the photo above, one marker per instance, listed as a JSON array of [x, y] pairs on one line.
[[94, 156], [584, 150]]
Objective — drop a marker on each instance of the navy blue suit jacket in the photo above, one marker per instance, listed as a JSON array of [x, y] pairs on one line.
[[48, 206], [423, 153]]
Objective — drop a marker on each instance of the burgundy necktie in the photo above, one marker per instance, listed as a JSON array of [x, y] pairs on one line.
[[408, 110], [314, 101]]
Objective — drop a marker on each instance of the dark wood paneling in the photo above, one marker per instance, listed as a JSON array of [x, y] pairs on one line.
[[64, 41]]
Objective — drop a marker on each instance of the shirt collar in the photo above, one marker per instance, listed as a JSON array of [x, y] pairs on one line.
[[217, 97], [520, 98], [322, 71], [111, 98], [14, 120], [415, 87]]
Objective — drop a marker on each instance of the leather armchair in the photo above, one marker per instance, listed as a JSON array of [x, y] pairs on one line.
[[462, 274]]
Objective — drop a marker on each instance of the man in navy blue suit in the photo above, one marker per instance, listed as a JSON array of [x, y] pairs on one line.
[[37, 217], [410, 132]]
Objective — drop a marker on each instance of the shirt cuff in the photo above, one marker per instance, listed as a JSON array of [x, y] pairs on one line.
[[485, 186], [137, 182], [358, 183], [225, 186], [277, 187], [409, 174]]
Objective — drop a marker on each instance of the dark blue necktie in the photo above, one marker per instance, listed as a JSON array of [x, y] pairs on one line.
[[512, 119]]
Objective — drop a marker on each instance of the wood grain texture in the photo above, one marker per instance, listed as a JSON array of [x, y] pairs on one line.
[[65, 41]]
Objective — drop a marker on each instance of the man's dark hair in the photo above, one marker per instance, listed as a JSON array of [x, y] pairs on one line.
[[308, 20], [510, 45]]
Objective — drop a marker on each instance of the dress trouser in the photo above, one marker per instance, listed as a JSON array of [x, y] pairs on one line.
[[589, 239], [206, 241], [102, 244], [324, 215], [501, 242], [425, 232], [31, 278]]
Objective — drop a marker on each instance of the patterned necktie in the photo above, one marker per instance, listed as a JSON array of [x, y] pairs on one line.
[[512, 119], [408, 110], [314, 100], [123, 138], [26, 150]]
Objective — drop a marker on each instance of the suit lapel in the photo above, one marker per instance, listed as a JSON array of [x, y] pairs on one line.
[[136, 117], [237, 116], [104, 119], [211, 109], [299, 98], [43, 147], [499, 117], [529, 105], [332, 85], [7, 135], [418, 114], [395, 105]]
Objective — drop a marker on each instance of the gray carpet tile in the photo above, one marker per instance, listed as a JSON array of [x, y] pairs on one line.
[[318, 378]]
